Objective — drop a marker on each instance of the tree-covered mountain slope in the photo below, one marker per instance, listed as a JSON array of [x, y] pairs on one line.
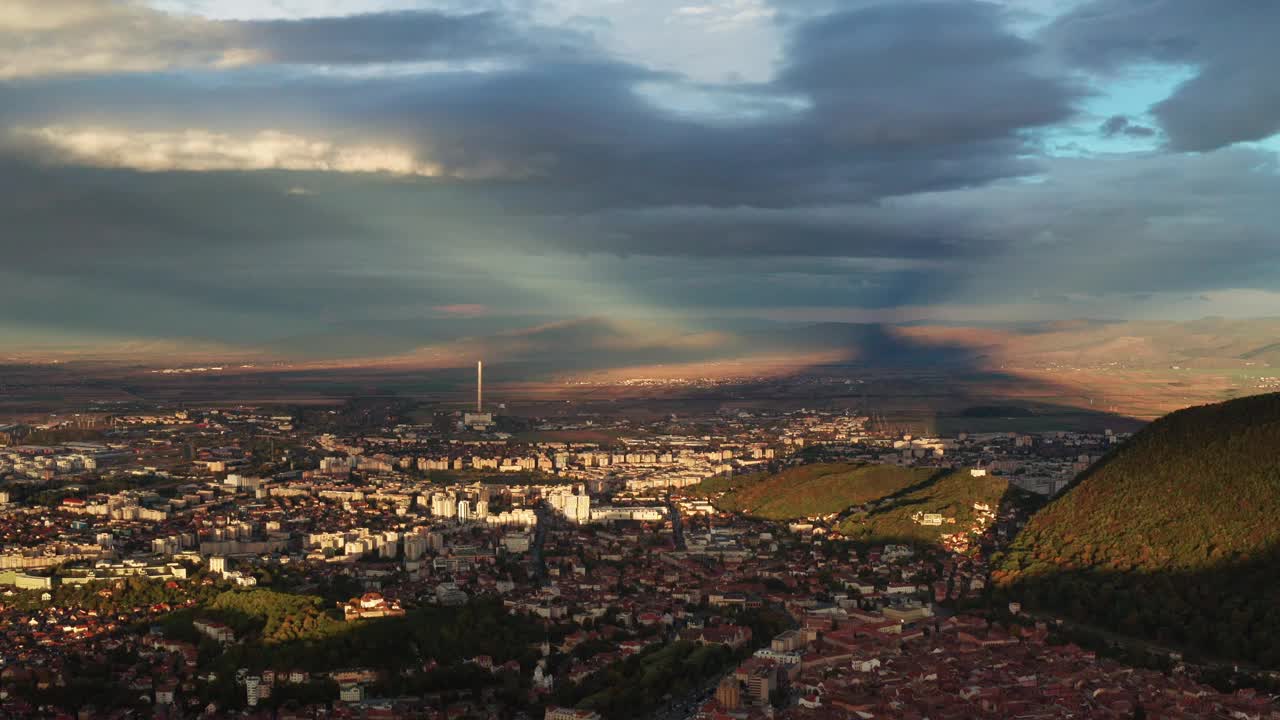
[[1174, 536]]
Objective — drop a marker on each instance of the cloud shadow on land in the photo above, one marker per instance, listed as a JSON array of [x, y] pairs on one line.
[[1170, 538], [914, 382], [1215, 617], [909, 379]]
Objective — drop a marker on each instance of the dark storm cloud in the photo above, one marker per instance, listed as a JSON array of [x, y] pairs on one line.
[[1155, 223], [127, 253], [870, 232], [230, 257], [1232, 97], [125, 214], [400, 36], [893, 108], [889, 163], [1121, 125], [104, 37], [922, 72], [594, 142]]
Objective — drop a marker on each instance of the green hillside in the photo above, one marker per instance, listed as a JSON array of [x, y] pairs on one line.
[[1172, 537], [811, 490], [953, 496]]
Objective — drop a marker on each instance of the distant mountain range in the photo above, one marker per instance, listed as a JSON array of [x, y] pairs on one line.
[[596, 344], [1175, 536], [603, 344]]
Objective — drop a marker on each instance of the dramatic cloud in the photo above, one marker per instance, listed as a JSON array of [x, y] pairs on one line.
[[397, 36], [39, 38], [923, 72], [198, 150], [1231, 98], [1155, 223], [379, 182], [94, 36], [1121, 125]]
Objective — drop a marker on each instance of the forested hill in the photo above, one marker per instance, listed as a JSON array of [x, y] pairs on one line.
[[1175, 536], [811, 490]]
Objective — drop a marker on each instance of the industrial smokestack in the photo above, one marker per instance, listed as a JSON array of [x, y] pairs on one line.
[[479, 386]]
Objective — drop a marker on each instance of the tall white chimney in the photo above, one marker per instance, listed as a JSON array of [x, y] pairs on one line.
[[479, 386]]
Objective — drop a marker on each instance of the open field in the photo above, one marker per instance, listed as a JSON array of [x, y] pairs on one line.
[[952, 495], [915, 400]]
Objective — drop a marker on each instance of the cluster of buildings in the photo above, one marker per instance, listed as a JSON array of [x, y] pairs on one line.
[[370, 605], [602, 544], [958, 668], [43, 463]]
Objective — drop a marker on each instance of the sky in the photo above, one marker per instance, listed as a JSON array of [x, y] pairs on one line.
[[328, 178]]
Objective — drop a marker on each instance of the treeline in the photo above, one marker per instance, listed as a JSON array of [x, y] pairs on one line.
[[425, 651], [287, 631], [636, 686]]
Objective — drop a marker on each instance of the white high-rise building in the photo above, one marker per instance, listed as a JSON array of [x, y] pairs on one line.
[[442, 505], [464, 510], [574, 506], [166, 545], [415, 546]]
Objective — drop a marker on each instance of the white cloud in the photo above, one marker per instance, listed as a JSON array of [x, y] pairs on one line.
[[27, 16], [203, 150], [677, 35], [710, 40], [61, 37], [725, 15], [290, 9], [39, 37]]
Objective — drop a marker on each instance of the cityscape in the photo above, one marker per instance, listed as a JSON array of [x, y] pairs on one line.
[[386, 558], [639, 360]]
